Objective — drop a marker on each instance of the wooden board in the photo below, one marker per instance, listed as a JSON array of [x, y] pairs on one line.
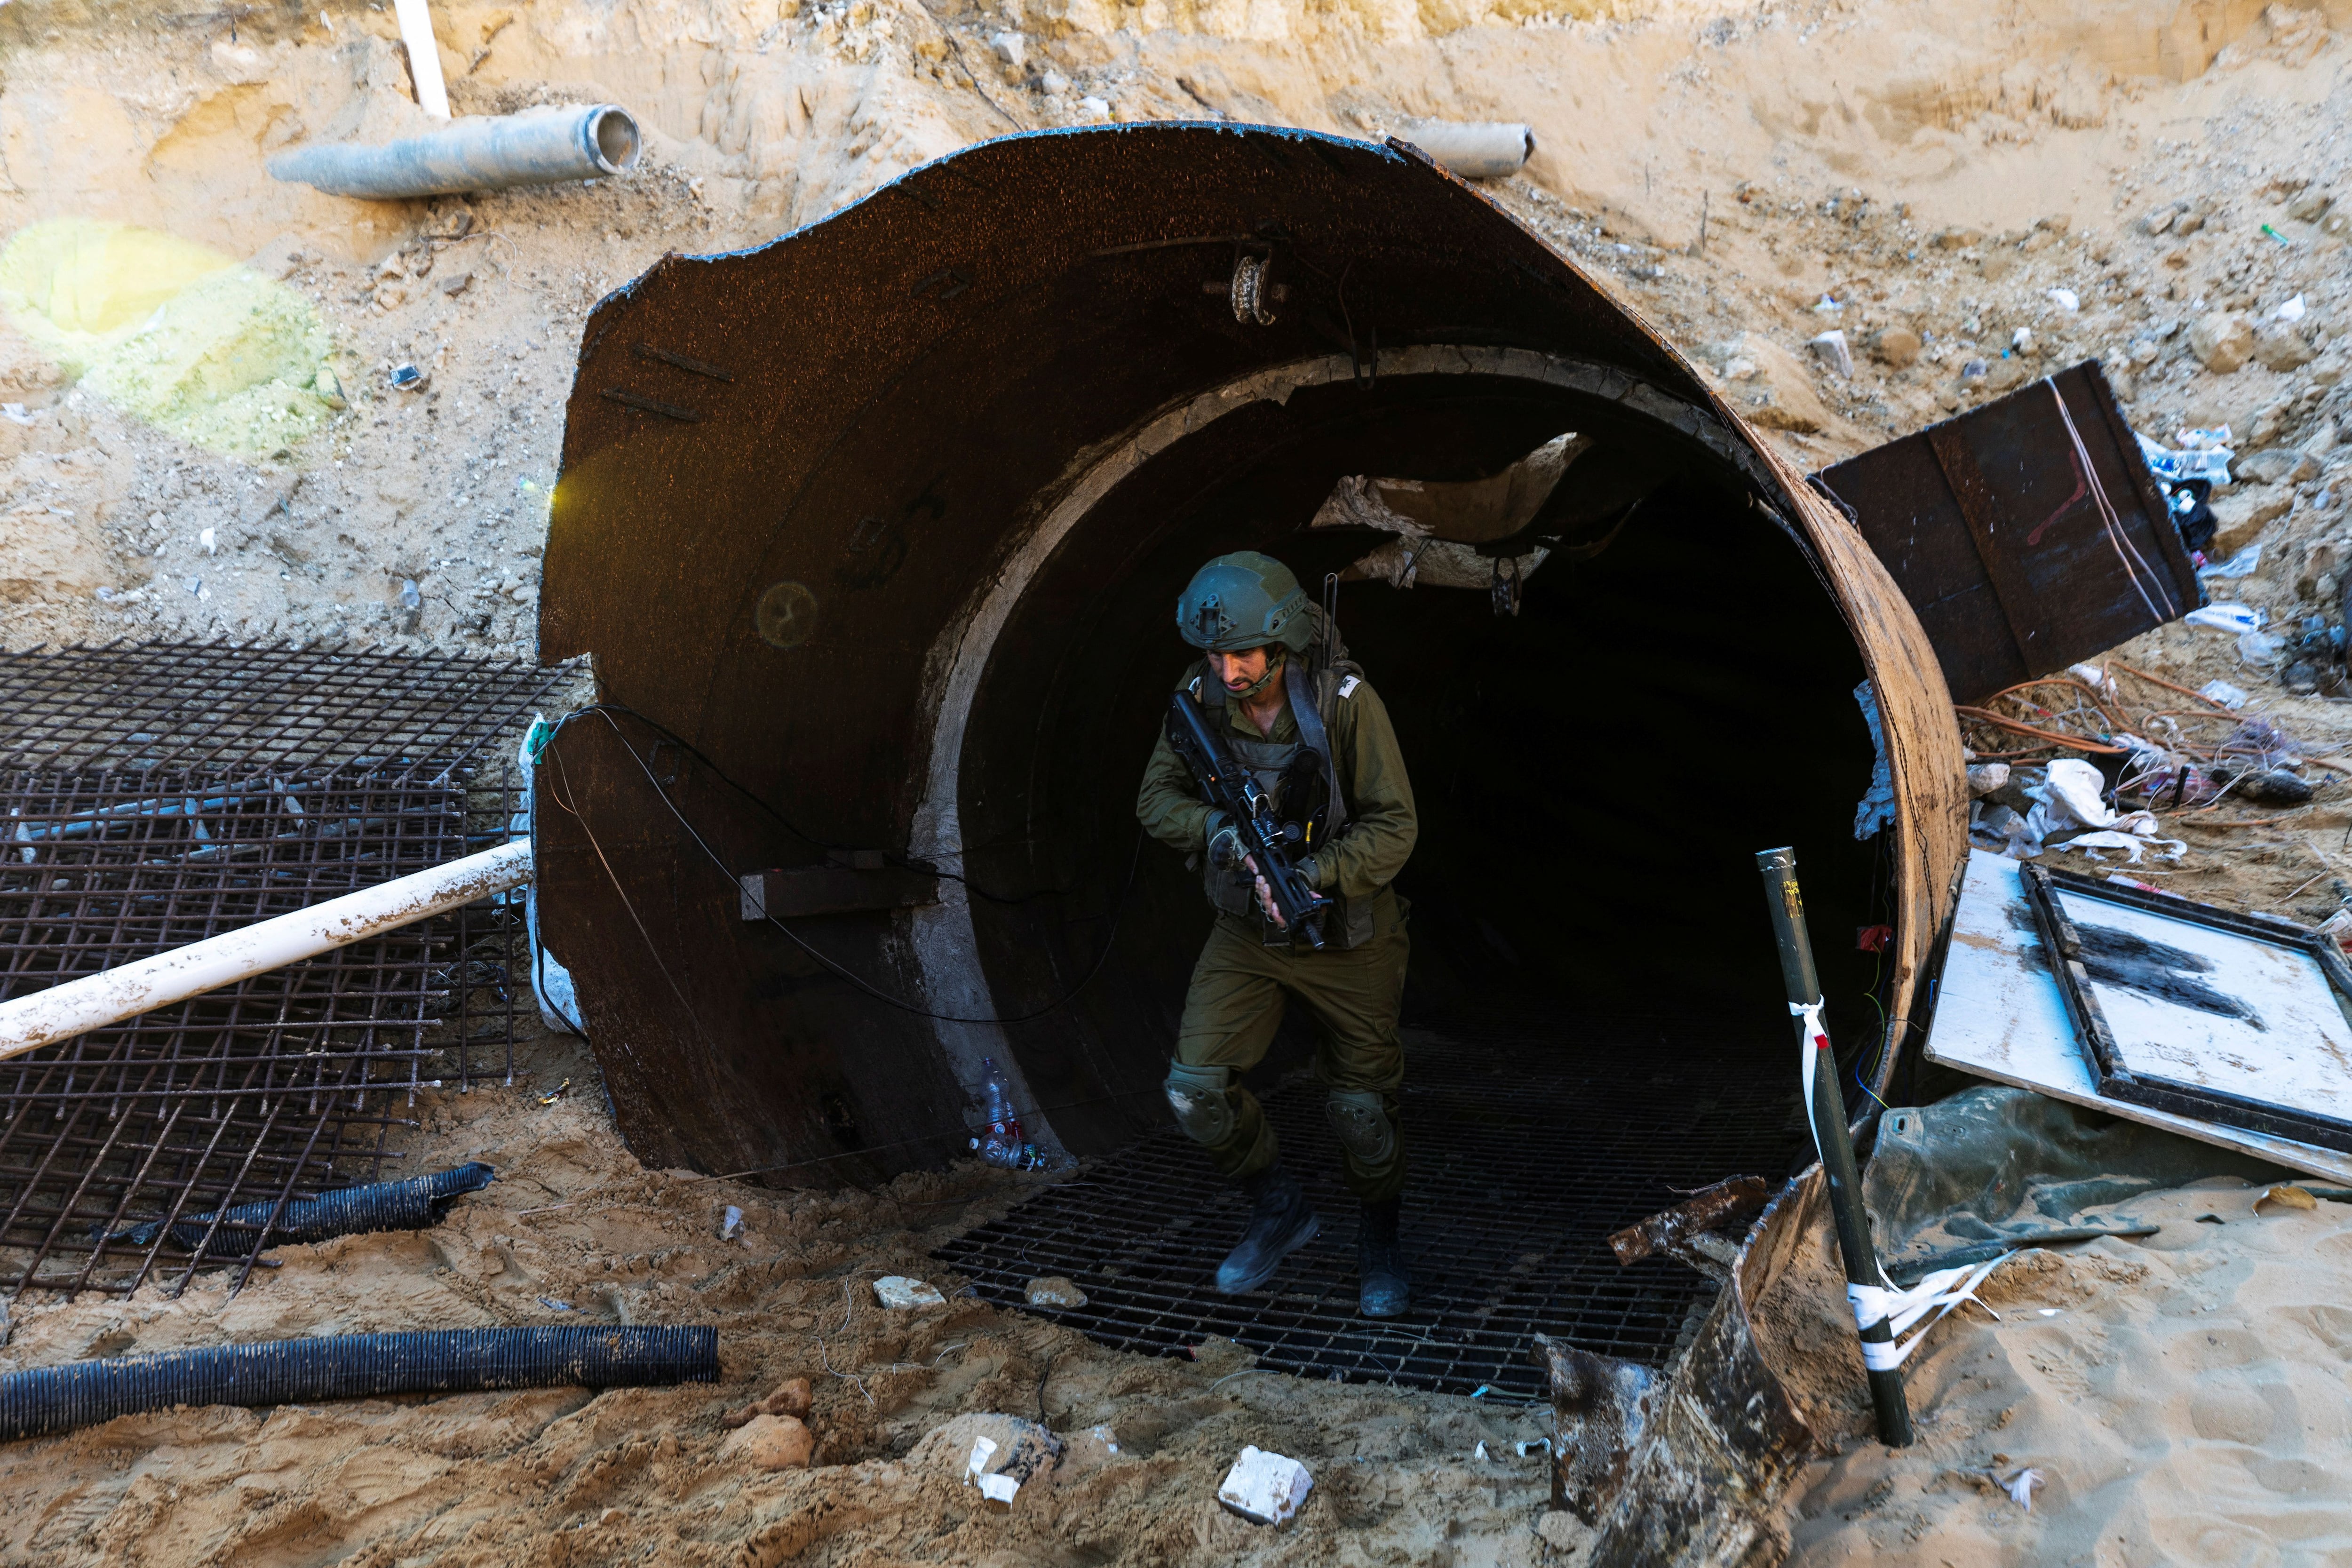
[[1999, 1017]]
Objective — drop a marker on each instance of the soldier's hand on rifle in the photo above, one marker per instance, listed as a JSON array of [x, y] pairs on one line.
[[1265, 893]]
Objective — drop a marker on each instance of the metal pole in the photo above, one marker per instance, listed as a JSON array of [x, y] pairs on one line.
[[1827, 1113]]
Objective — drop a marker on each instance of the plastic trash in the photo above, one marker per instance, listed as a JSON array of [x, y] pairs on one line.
[[1007, 1453], [2132, 845], [408, 378], [1000, 1144], [1831, 350], [1265, 1487], [2234, 618], [2293, 310], [2209, 463], [731, 1224], [2065, 300], [2244, 563], [2221, 691], [898, 1291], [210, 539], [995, 1487], [2070, 795]]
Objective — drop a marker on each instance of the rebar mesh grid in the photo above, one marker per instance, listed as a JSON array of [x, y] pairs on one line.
[[1530, 1142], [218, 706], [288, 1083]]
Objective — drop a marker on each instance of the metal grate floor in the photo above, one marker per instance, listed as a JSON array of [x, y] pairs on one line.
[[1531, 1139]]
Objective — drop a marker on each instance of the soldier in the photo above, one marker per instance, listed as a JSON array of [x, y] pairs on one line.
[[1296, 711]]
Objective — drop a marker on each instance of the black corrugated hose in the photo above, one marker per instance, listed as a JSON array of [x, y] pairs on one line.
[[354, 1366], [415, 1204]]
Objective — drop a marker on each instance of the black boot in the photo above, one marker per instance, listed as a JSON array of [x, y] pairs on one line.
[[1382, 1289], [1281, 1222]]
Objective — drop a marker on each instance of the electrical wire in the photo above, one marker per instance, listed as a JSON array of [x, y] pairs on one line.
[[761, 804], [734, 879]]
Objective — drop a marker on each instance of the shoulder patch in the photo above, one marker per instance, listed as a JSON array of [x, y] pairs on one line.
[[1347, 687]]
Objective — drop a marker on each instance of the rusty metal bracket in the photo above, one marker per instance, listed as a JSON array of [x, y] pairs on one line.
[[629, 399], [955, 278], [1600, 1408], [1685, 1232], [697, 367]]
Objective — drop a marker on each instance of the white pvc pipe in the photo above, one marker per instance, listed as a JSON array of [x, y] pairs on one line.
[[94, 1001], [423, 56], [1474, 149]]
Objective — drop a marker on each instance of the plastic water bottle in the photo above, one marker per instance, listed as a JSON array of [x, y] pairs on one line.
[[1001, 1145]]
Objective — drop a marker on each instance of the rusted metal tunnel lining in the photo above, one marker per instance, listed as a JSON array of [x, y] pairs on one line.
[[883, 521]]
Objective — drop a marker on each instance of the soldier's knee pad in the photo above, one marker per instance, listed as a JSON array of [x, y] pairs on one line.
[[1362, 1122], [1197, 1096]]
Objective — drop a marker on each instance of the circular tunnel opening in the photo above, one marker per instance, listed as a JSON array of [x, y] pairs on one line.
[[1594, 1019], [1593, 773]]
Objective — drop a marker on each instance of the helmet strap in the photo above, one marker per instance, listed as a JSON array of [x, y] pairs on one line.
[[1272, 672]]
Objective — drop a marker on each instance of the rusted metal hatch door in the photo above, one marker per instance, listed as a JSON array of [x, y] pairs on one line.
[[2028, 534]]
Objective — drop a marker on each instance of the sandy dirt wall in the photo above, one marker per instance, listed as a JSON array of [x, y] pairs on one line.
[[1929, 172]]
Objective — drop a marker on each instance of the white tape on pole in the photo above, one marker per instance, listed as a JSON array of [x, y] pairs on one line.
[[1817, 1039], [1898, 1309], [94, 1001]]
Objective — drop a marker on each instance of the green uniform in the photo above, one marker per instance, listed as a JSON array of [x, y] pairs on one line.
[[1236, 998]]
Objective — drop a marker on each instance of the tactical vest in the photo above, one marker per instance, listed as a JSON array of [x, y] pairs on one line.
[[1278, 767]]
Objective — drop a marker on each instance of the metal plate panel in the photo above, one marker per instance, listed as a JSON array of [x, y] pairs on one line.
[[1996, 528]]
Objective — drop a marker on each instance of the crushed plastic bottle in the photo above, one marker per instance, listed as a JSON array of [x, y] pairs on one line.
[[1000, 1144]]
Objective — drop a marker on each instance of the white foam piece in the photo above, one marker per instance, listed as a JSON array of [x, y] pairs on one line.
[[1265, 1487]]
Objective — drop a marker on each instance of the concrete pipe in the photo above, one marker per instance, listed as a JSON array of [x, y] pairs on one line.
[[1474, 149], [536, 147], [95, 1001], [886, 520]]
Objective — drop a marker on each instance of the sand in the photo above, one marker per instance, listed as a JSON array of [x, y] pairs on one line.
[[1927, 171], [2182, 1397], [644, 1475]]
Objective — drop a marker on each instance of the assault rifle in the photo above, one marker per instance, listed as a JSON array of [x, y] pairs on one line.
[[1264, 838]]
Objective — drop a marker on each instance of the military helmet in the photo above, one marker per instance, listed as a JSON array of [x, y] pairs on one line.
[[1242, 601]]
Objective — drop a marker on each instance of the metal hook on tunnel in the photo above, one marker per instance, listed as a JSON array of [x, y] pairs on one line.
[[1254, 291]]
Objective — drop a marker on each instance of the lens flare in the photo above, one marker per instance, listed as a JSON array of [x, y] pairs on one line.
[[172, 333]]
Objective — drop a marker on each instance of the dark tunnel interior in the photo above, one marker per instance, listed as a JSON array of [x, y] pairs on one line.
[[1594, 774]]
